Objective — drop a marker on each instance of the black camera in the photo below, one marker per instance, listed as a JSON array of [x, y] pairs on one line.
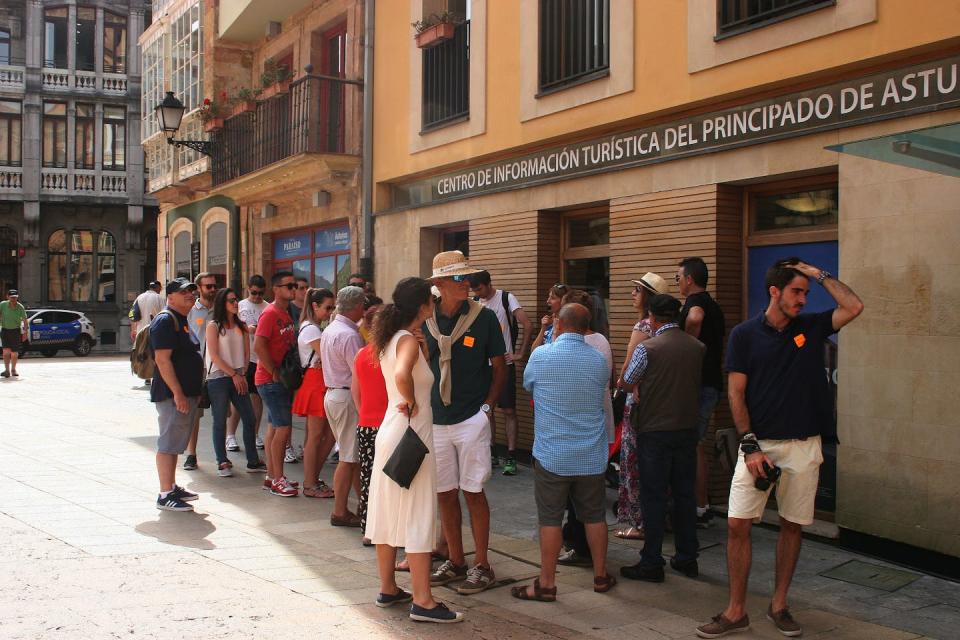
[[773, 474]]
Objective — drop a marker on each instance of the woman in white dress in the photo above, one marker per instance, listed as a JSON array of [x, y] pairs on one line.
[[398, 517]]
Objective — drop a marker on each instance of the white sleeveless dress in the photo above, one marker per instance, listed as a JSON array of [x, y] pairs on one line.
[[396, 516]]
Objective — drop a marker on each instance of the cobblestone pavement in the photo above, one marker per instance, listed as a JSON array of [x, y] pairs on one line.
[[87, 555]]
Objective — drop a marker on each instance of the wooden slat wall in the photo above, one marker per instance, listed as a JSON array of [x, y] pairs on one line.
[[522, 253], [653, 232]]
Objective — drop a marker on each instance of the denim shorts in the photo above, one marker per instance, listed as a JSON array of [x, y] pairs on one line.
[[278, 401]]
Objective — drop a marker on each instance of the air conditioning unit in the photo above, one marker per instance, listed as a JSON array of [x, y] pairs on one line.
[[321, 198], [273, 29], [268, 211]]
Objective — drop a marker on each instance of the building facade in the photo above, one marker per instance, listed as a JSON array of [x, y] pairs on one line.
[[76, 230], [589, 142], [273, 87]]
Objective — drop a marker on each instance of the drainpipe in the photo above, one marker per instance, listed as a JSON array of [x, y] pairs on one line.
[[366, 247]]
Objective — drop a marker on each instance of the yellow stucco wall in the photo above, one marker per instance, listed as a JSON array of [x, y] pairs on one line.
[[663, 82]]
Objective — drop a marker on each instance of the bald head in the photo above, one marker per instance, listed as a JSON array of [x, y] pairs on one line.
[[573, 318]]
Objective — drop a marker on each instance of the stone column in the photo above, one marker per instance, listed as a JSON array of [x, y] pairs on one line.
[[32, 154], [72, 40]]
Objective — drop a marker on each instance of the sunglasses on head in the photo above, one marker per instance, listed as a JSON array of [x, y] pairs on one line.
[[560, 286], [290, 286]]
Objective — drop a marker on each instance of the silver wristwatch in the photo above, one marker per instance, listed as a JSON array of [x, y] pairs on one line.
[[485, 408]]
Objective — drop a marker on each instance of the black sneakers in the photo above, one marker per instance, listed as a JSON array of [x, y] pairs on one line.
[[172, 503], [183, 494], [190, 463]]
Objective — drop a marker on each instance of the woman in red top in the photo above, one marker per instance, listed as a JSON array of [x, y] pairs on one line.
[[318, 305], [370, 397]]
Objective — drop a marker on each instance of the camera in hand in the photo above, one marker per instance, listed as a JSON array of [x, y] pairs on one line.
[[773, 474]]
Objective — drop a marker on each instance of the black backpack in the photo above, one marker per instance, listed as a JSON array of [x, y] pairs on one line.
[[514, 327]]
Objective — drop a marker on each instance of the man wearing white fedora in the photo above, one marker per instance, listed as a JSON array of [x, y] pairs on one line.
[[466, 349]]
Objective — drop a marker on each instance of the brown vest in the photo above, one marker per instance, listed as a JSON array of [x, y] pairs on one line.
[[670, 387]]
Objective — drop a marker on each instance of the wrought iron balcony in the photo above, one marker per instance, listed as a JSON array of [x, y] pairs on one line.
[[309, 119]]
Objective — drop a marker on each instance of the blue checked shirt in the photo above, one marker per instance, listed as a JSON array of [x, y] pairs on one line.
[[638, 363], [568, 379]]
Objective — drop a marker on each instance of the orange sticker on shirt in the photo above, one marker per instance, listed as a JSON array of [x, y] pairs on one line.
[[800, 340], [199, 320], [468, 341]]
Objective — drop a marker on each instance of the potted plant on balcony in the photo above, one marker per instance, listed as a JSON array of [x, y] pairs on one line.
[[435, 29], [212, 112], [275, 78], [245, 100]]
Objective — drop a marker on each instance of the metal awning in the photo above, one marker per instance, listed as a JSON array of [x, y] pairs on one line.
[[935, 149]]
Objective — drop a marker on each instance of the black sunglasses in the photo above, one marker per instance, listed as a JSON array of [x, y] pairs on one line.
[[232, 301], [210, 286], [256, 292], [290, 286]]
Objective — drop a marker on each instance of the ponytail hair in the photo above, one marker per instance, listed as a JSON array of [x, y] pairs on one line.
[[409, 296], [313, 296]]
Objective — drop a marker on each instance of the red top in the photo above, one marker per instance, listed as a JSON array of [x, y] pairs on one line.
[[276, 326], [373, 388]]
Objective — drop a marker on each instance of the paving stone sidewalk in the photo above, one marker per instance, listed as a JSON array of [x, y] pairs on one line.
[[87, 555]]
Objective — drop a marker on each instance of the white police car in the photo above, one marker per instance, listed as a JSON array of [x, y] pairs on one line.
[[55, 329]]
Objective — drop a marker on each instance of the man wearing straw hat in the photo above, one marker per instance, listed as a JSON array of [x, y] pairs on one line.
[[467, 359]]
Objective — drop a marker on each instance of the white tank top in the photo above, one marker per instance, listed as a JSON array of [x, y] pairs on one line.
[[231, 351]]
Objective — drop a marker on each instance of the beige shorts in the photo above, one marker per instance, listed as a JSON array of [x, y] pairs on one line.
[[342, 416], [462, 451], [799, 462]]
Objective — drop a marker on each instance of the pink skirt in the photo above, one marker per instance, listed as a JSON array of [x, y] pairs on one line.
[[309, 398]]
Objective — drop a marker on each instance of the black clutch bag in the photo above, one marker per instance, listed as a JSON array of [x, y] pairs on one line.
[[405, 461]]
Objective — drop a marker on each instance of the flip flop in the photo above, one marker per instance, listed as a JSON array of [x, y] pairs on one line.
[[630, 533], [540, 594], [403, 565]]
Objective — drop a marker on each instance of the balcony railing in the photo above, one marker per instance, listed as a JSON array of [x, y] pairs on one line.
[[737, 16], [311, 118], [11, 179], [446, 80], [11, 77], [64, 80], [78, 182]]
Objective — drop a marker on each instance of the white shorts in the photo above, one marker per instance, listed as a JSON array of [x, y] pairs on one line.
[[462, 452], [343, 417], [799, 462]]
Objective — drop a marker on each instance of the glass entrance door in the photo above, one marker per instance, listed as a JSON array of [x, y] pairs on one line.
[[8, 260]]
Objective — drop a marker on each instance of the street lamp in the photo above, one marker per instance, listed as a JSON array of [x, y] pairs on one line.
[[169, 114]]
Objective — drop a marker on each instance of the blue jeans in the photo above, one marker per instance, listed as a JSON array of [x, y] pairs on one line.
[[668, 461], [222, 393], [278, 402]]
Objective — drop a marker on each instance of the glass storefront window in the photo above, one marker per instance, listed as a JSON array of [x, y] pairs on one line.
[[181, 255], [71, 257], [589, 232], [322, 256], [801, 209]]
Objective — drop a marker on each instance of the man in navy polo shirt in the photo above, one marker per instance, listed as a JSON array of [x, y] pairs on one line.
[[782, 406], [176, 388]]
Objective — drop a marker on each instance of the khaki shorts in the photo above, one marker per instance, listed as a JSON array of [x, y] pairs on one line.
[[462, 451], [343, 417], [799, 462]]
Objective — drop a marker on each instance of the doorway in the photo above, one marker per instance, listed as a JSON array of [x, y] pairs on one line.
[[332, 103], [586, 260], [8, 259]]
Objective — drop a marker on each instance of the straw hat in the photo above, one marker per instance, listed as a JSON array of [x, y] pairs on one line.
[[451, 263], [652, 283]]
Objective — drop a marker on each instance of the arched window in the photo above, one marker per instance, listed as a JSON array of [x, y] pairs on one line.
[[57, 266], [76, 261], [181, 255], [217, 252], [106, 268]]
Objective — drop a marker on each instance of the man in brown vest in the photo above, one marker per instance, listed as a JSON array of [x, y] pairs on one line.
[[667, 368]]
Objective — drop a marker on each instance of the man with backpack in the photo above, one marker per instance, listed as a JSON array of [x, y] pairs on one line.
[[176, 389], [511, 317]]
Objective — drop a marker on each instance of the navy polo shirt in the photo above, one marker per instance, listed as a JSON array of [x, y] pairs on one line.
[[788, 395], [470, 371], [187, 361]]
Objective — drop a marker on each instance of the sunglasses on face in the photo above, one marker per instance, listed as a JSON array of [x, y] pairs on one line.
[[255, 292], [330, 307], [208, 287], [232, 301], [638, 289], [677, 278], [460, 278], [290, 286]]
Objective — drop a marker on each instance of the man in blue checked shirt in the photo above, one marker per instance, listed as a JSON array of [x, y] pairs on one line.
[[568, 379]]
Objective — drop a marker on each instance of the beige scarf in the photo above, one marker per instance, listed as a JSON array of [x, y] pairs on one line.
[[445, 343]]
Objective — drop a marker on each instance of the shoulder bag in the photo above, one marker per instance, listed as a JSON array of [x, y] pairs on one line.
[[404, 463]]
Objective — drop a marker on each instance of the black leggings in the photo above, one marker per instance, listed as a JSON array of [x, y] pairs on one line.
[[366, 439]]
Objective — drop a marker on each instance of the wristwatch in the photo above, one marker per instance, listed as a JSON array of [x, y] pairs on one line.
[[485, 408], [823, 276]]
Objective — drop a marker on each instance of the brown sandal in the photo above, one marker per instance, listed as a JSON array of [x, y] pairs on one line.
[[539, 594], [319, 491], [604, 584]]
